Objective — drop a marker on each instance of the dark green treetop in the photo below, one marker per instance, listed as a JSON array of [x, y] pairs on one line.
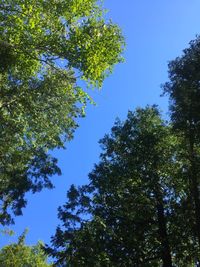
[[125, 215], [183, 88]]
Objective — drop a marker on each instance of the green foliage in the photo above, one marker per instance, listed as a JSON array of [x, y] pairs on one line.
[[44, 49], [20, 255], [184, 93], [126, 215], [75, 31], [183, 88]]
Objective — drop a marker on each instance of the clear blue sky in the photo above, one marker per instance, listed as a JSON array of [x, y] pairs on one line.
[[156, 31]]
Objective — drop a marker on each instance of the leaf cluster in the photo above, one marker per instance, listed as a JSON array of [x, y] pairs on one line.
[[45, 49]]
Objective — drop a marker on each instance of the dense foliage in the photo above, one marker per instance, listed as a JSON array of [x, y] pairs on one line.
[[141, 207], [45, 48], [125, 216], [20, 255]]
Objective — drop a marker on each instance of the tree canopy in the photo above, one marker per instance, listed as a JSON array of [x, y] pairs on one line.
[[45, 49], [126, 215]]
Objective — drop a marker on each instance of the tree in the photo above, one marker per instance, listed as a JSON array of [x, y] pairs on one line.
[[126, 216], [20, 255], [184, 92], [45, 49]]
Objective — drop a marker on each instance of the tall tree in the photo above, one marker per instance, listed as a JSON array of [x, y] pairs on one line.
[[125, 216], [184, 91], [45, 48]]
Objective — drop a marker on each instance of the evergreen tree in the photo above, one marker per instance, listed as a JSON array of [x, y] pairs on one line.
[[126, 215], [183, 89]]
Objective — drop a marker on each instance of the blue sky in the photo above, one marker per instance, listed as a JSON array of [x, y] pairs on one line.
[[156, 32]]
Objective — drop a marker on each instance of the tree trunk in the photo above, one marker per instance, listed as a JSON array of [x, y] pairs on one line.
[[162, 229], [195, 195], [194, 188]]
